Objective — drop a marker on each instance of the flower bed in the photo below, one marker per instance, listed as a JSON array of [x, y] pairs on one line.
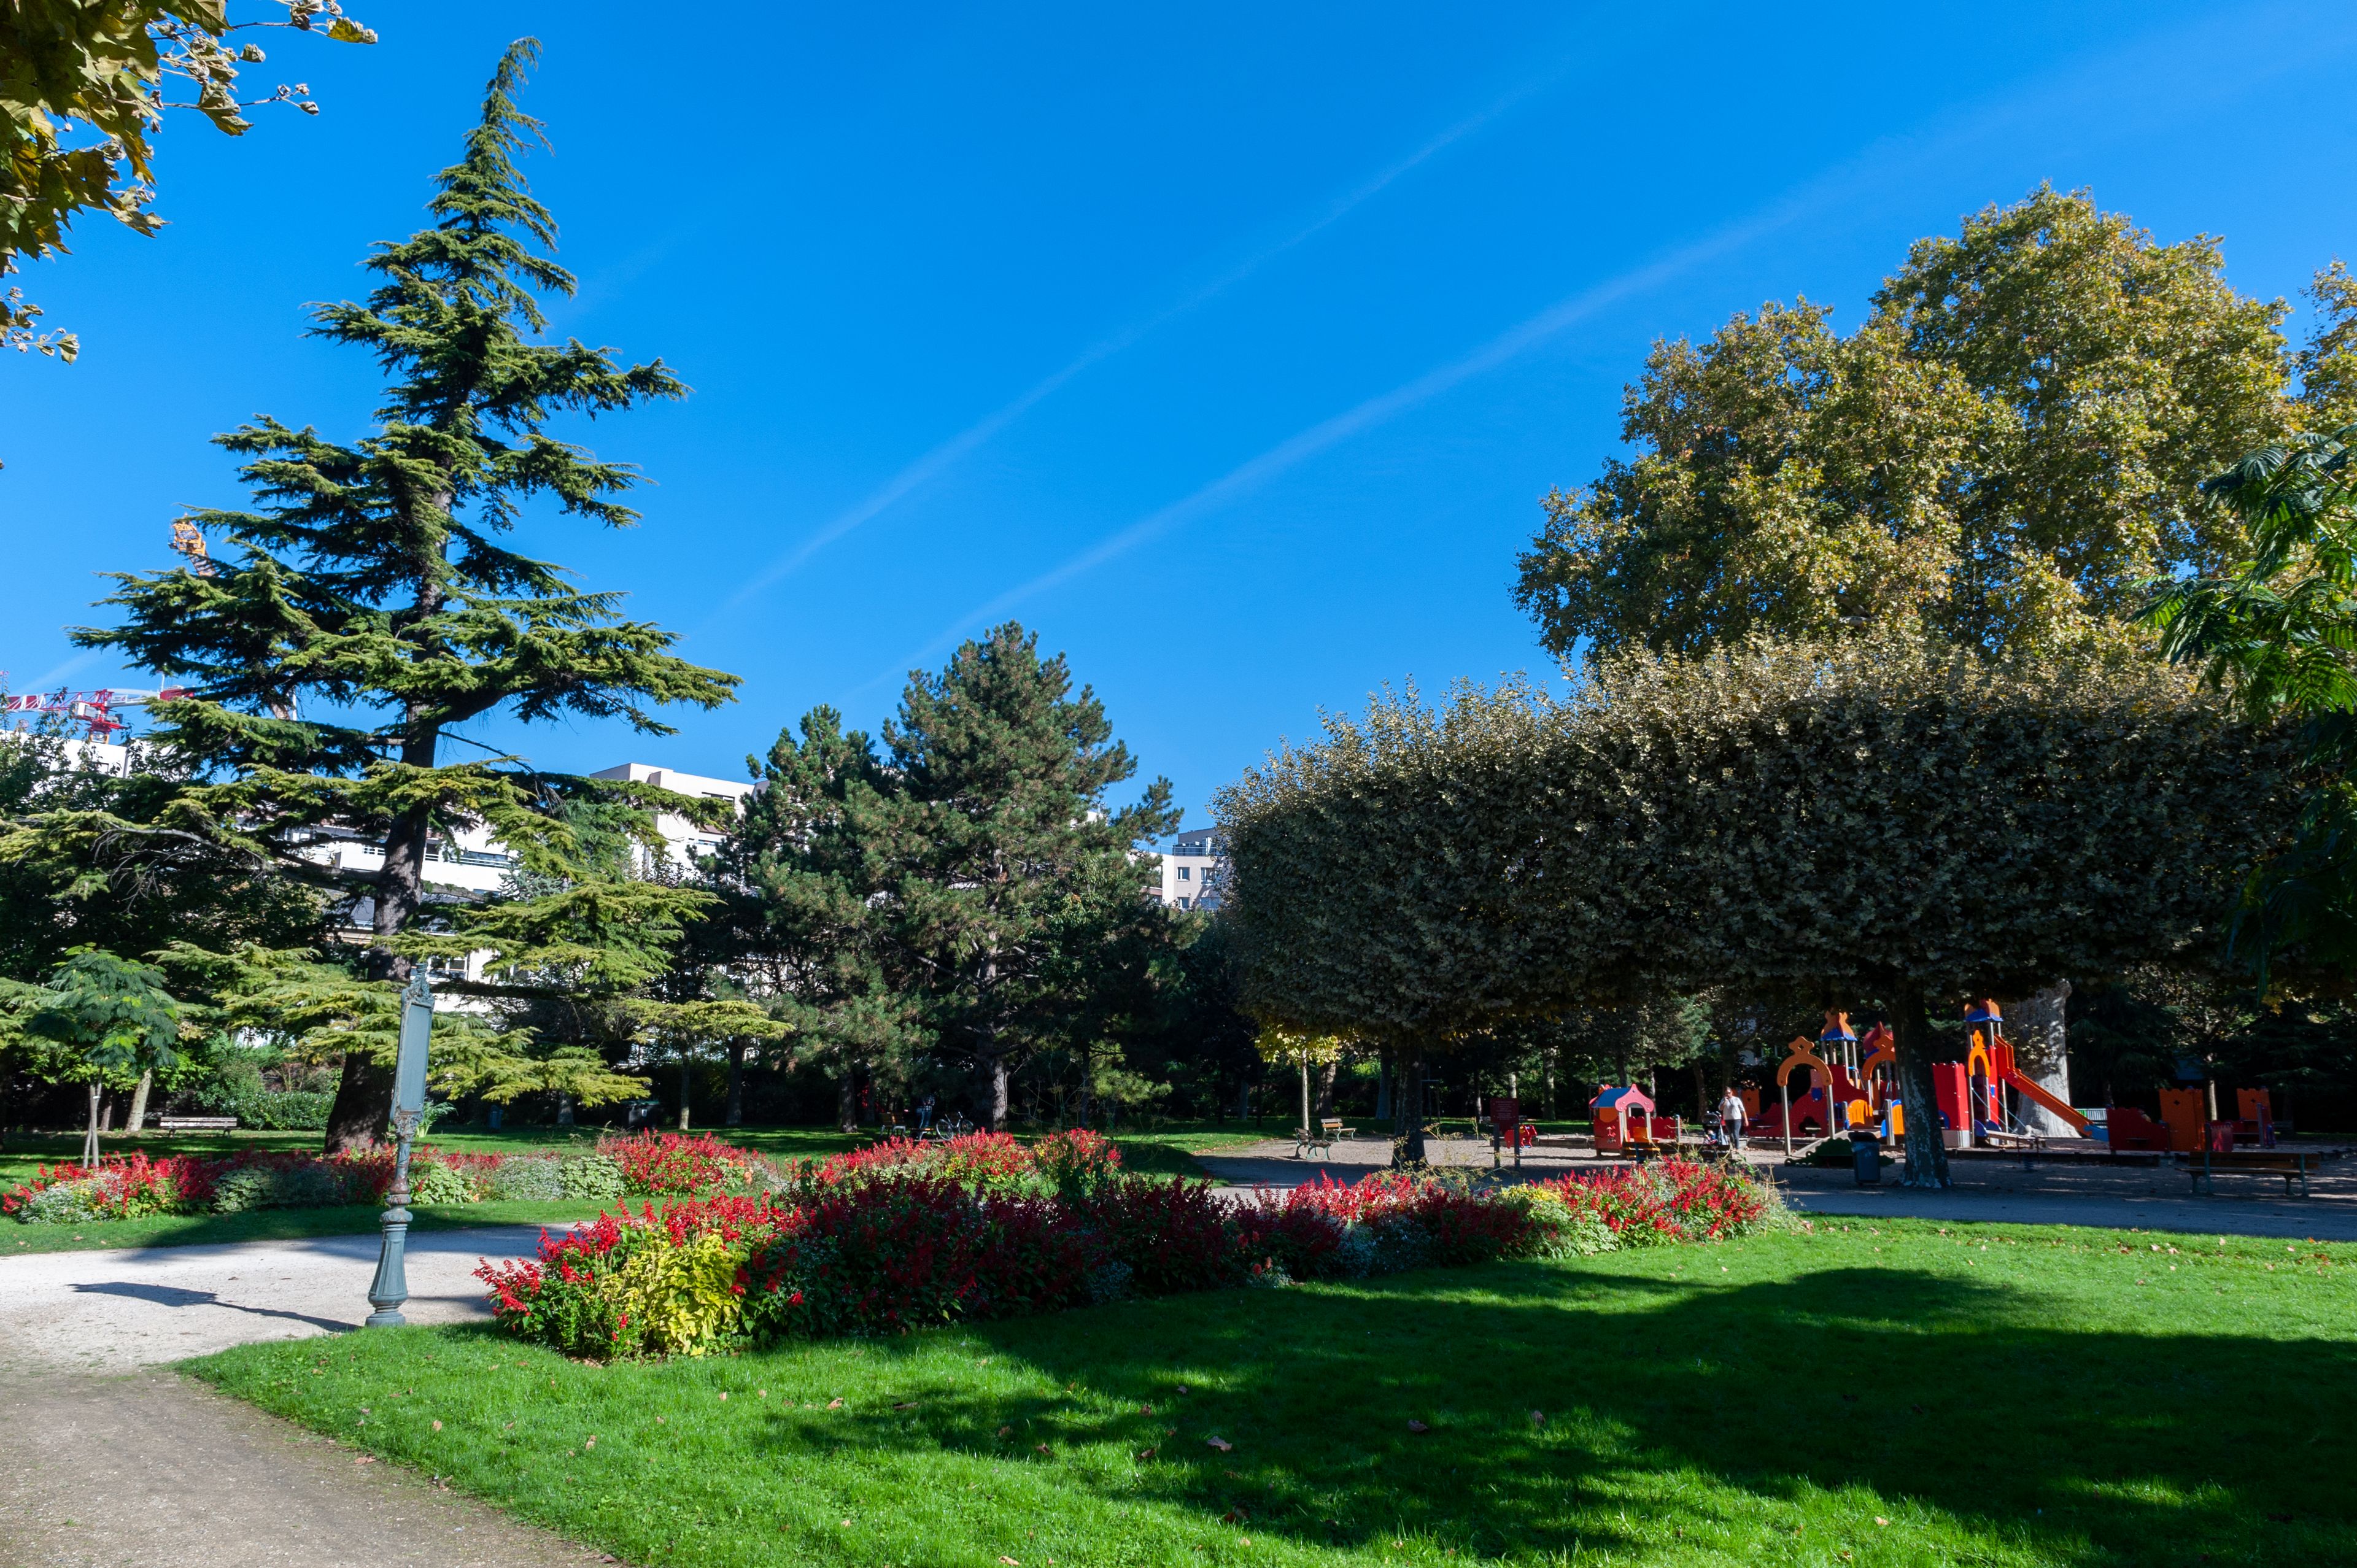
[[898, 1238], [130, 1187]]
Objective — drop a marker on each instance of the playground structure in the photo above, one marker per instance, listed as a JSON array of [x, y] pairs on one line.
[[1853, 1083], [1626, 1123]]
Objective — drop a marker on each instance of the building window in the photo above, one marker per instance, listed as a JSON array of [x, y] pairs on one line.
[[1185, 873], [1182, 903]]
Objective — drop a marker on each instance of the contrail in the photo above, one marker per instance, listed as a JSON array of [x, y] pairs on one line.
[[1329, 432], [1880, 162], [957, 447]]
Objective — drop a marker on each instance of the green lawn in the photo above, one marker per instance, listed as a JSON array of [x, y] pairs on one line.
[[1896, 1396]]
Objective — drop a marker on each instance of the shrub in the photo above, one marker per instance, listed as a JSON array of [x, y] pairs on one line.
[[127, 1186], [268, 1111], [61, 1203], [439, 1184], [903, 1240], [1076, 1160], [527, 1180], [591, 1178], [1669, 1200], [310, 1184], [676, 1165]]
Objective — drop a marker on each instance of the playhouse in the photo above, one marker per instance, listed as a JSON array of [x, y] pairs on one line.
[[1626, 1123]]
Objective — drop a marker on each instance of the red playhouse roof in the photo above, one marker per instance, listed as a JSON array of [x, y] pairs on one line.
[[1626, 1097]]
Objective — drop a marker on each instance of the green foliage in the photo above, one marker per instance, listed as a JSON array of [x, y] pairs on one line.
[[2279, 628], [98, 67], [369, 603], [111, 1018], [970, 890], [2000, 455], [1860, 817]]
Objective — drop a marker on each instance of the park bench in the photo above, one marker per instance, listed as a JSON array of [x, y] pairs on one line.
[[197, 1123], [1321, 1140], [2290, 1163]]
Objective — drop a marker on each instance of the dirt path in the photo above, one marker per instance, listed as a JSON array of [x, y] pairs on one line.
[[106, 1460], [2124, 1198]]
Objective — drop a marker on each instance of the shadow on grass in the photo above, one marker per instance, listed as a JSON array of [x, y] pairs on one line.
[[2079, 1446]]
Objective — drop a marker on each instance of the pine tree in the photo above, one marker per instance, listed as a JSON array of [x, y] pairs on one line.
[[997, 848], [370, 604]]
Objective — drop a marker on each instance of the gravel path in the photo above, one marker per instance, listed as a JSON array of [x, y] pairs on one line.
[[106, 1460], [2124, 1198]]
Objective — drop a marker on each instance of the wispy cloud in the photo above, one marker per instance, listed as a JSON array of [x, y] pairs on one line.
[[49, 679], [964, 442], [1878, 165]]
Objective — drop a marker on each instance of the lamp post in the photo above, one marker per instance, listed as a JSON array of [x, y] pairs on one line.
[[391, 1287]]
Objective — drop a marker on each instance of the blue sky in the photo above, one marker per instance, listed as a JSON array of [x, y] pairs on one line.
[[1231, 353]]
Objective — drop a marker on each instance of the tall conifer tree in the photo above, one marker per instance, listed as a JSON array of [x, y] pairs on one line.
[[369, 605]]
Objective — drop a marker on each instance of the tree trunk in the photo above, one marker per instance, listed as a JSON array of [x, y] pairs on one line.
[[1326, 1071], [89, 1139], [847, 1099], [735, 1116], [1702, 1094], [1547, 1058], [1407, 1147], [1088, 1062], [999, 1076], [2041, 1050], [1383, 1086], [138, 1114], [564, 1110], [684, 1062], [1244, 1100], [1927, 1154]]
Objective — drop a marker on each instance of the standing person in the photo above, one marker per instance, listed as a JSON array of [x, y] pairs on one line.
[[1732, 1115], [925, 1115]]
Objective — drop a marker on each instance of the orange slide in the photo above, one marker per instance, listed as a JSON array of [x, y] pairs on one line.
[[2029, 1088]]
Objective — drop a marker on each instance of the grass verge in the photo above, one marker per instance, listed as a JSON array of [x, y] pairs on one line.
[[276, 1225], [1893, 1394]]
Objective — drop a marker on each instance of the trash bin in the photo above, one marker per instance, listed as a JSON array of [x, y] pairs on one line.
[[1865, 1155]]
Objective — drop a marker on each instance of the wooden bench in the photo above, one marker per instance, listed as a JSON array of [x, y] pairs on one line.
[[1321, 1142], [2290, 1163], [197, 1123]]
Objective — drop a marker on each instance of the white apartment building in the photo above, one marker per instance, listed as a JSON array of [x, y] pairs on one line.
[[683, 838], [1194, 871]]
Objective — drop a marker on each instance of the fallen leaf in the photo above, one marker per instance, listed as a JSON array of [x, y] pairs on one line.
[[1005, 1432], [1222, 1444], [906, 1404], [846, 1524], [1146, 1410], [831, 1404], [1042, 1448], [1538, 1418], [1182, 1390], [760, 1393], [591, 1443], [437, 1426], [1011, 1562], [364, 1460], [1417, 1426], [660, 1421], [724, 1396], [1879, 1520], [1147, 1453], [1234, 1515]]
